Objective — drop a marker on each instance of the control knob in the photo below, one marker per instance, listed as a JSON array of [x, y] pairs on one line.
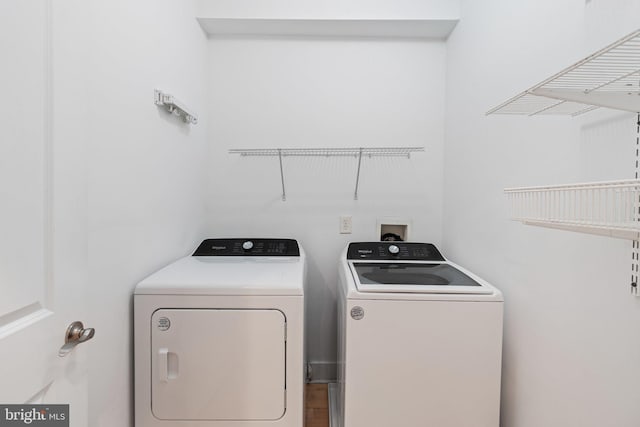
[[394, 250], [248, 245]]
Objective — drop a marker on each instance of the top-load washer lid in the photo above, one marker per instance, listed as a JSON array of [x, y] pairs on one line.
[[400, 267], [420, 274], [233, 267]]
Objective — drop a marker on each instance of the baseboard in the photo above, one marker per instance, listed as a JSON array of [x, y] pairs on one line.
[[323, 372]]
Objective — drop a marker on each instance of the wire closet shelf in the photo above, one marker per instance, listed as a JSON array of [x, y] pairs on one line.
[[610, 208], [356, 152], [608, 78], [328, 152]]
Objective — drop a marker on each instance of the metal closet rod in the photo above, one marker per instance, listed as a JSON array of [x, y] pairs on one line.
[[357, 152]]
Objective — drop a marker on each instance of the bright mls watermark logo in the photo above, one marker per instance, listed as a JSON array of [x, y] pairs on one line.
[[34, 415]]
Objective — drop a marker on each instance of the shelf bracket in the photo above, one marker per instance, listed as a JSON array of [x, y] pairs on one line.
[[355, 193], [284, 194]]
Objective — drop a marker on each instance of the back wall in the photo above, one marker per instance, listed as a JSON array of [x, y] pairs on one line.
[[324, 92]]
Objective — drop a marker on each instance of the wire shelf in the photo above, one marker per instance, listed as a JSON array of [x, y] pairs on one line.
[[608, 78], [357, 152], [610, 208], [328, 152]]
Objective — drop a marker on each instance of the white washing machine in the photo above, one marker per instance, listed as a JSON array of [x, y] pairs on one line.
[[219, 337], [420, 340]]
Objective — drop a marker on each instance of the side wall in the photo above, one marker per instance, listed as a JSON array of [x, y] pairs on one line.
[[571, 343], [146, 174], [324, 92]]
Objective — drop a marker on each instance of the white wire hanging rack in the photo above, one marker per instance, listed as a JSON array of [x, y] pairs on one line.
[[608, 78], [609, 208], [356, 152]]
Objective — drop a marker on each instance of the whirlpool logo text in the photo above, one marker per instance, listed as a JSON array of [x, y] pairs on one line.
[[34, 415]]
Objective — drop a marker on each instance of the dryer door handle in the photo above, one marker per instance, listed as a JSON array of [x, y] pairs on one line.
[[163, 364], [167, 365]]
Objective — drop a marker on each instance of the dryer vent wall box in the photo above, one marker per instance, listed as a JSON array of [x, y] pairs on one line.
[[219, 337]]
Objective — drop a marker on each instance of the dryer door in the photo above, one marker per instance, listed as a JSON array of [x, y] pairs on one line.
[[218, 364]]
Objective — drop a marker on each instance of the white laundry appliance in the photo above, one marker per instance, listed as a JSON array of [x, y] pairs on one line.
[[219, 337], [419, 340]]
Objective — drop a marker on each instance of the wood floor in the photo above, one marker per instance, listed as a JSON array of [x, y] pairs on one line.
[[316, 406]]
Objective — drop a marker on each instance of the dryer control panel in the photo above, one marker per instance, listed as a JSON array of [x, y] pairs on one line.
[[394, 251], [248, 247]]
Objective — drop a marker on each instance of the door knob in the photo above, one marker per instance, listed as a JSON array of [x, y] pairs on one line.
[[76, 334]]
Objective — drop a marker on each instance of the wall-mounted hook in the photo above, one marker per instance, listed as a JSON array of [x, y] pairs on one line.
[[174, 106]]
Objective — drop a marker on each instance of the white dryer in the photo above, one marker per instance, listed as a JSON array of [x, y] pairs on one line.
[[419, 340], [219, 337]]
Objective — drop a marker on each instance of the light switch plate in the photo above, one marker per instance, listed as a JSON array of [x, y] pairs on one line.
[[345, 224]]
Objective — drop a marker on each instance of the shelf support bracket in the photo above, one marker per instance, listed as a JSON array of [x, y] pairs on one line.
[[355, 194], [284, 195]]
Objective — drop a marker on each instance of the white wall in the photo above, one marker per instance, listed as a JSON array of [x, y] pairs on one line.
[[146, 174], [315, 92], [571, 345]]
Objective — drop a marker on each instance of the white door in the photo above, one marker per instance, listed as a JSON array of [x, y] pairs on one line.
[[42, 209]]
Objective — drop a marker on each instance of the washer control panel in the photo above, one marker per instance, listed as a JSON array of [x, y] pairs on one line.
[[248, 247], [394, 251]]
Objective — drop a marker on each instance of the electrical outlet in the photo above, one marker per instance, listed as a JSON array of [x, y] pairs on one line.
[[345, 224]]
